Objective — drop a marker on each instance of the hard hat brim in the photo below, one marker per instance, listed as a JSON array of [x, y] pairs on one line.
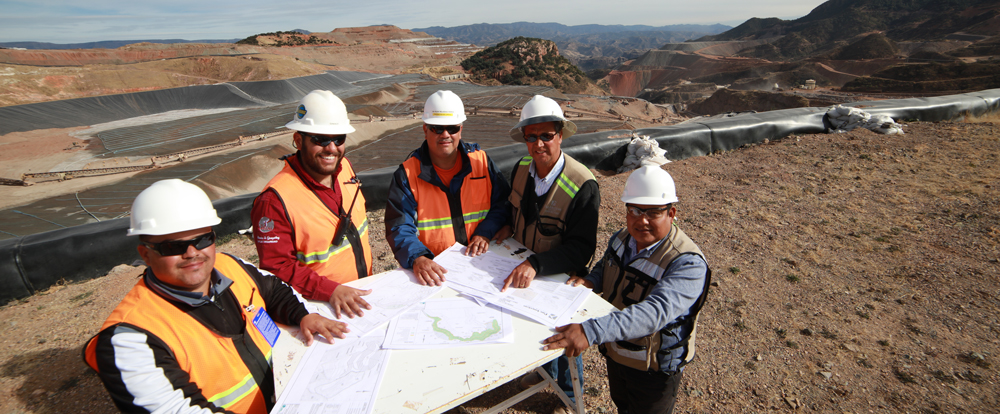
[[649, 201], [320, 129], [569, 128], [443, 121]]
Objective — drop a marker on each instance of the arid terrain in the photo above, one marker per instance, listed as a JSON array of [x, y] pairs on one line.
[[853, 273]]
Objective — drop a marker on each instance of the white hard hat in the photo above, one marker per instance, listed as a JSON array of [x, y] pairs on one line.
[[649, 185], [171, 206], [444, 108], [321, 112], [541, 109]]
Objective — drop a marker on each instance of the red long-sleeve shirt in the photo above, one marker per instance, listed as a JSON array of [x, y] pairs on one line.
[[274, 236]]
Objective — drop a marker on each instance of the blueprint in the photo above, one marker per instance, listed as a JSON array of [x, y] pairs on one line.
[[547, 301], [342, 377], [440, 323], [391, 295]]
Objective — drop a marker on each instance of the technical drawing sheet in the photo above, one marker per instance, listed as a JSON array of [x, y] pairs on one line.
[[547, 301], [449, 322], [391, 295], [339, 378]]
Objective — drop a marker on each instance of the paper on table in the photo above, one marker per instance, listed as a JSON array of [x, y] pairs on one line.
[[451, 322], [484, 273], [391, 295], [551, 303], [342, 377]]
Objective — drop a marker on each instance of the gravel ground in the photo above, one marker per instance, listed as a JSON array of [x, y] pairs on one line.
[[852, 273]]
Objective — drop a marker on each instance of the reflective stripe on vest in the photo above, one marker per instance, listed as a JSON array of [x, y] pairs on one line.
[[229, 397], [554, 210], [315, 225], [212, 361], [435, 221], [323, 256], [625, 284]]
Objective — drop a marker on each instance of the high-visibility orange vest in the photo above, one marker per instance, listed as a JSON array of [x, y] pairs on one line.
[[443, 218], [211, 360], [315, 225]]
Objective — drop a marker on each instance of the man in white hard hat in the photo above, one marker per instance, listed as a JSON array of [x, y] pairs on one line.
[[310, 225], [195, 332], [554, 203], [658, 279], [446, 191]]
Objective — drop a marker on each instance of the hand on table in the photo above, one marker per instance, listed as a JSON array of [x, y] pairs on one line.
[[347, 300], [572, 337], [577, 281], [502, 234], [315, 323], [477, 246], [520, 277], [428, 272]]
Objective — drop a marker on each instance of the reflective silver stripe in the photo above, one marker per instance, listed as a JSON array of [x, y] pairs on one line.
[[237, 392], [647, 267], [320, 257], [433, 224], [567, 185], [475, 216]]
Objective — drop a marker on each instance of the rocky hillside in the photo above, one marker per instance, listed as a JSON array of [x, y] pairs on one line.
[[591, 46], [837, 23], [528, 61]]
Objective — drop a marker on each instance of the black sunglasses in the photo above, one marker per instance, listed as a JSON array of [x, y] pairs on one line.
[[177, 247], [545, 137], [324, 140], [439, 129]]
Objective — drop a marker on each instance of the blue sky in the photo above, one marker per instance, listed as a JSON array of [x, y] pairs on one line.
[[74, 21]]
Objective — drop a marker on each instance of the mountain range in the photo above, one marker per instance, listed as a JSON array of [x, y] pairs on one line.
[[589, 46]]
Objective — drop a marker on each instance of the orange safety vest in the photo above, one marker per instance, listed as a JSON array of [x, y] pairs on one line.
[[315, 225], [437, 228], [211, 360]]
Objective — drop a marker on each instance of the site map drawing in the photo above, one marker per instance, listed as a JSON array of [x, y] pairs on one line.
[[342, 377], [449, 322]]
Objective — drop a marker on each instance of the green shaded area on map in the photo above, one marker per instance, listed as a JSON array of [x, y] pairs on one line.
[[476, 336]]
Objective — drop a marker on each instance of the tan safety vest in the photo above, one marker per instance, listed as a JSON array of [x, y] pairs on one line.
[[626, 284], [546, 232]]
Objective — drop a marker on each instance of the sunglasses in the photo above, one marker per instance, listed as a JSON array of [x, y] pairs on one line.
[[178, 247], [545, 137], [653, 213], [324, 140], [439, 129]]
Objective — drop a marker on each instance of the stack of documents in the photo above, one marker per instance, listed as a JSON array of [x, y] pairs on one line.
[[549, 302]]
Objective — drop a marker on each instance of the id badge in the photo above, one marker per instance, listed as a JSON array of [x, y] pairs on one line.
[[262, 321]]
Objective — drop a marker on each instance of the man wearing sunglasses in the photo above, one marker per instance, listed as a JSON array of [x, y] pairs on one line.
[[554, 203], [310, 225], [195, 332], [658, 279], [446, 191]]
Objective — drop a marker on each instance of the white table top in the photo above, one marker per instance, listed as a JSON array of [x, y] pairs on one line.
[[435, 380]]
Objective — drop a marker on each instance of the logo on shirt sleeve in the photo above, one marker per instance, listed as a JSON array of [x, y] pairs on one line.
[[265, 225]]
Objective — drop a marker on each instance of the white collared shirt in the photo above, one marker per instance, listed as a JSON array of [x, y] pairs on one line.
[[543, 184]]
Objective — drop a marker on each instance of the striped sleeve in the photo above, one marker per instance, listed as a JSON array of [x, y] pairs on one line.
[[142, 376]]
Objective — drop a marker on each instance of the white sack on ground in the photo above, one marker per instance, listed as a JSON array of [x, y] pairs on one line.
[[643, 150], [845, 118]]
